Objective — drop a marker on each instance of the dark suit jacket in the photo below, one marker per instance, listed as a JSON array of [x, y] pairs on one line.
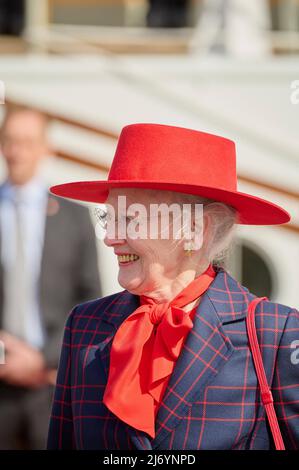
[[69, 271], [212, 400]]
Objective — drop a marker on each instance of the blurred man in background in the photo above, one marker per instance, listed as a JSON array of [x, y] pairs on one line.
[[48, 264]]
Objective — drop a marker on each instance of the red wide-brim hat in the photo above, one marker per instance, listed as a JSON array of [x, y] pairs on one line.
[[161, 157]]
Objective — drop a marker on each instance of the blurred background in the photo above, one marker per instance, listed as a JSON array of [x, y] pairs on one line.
[[75, 72]]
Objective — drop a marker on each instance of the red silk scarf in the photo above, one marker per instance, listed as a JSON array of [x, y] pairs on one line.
[[144, 352]]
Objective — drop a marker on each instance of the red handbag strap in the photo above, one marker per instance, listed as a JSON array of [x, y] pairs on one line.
[[266, 395]]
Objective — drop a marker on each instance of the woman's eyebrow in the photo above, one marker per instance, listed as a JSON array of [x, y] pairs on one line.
[[132, 214]]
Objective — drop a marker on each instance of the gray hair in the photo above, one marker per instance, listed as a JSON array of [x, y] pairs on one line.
[[217, 244]]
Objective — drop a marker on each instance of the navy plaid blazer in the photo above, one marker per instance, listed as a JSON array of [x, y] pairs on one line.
[[212, 400]]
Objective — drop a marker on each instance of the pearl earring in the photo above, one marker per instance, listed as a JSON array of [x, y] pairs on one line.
[[189, 248]]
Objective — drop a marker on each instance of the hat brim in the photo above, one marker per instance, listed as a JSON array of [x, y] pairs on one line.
[[252, 210]]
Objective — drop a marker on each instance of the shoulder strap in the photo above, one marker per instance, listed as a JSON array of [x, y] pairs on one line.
[[266, 395]]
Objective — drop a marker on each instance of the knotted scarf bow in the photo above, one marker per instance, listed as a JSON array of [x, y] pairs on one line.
[[144, 352]]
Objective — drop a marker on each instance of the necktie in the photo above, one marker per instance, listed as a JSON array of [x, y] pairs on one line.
[[17, 279], [143, 355]]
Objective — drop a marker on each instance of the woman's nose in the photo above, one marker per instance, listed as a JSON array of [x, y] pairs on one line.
[[113, 241]]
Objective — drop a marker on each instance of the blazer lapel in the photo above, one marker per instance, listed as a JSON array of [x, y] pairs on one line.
[[124, 304], [113, 315], [52, 239], [206, 350]]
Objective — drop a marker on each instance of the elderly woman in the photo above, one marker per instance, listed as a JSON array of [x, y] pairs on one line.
[[170, 362]]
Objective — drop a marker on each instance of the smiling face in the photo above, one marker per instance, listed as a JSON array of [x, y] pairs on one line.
[[148, 266], [23, 144]]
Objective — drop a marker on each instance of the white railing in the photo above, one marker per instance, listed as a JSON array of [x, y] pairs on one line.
[[103, 39]]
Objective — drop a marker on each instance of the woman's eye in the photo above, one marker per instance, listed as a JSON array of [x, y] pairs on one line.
[[101, 216], [130, 219]]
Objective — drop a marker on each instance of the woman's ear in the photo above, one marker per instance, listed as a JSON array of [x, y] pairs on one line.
[[198, 227], [207, 231]]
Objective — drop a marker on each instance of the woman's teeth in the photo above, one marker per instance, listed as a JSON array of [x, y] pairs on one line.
[[127, 258]]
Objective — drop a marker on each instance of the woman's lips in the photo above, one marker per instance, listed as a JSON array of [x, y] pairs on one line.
[[125, 259]]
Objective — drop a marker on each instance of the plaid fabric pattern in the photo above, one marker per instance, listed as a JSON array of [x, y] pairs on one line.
[[212, 400]]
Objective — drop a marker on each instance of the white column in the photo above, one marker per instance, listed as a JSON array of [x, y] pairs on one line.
[[135, 12], [288, 13], [37, 13], [236, 27], [248, 23]]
